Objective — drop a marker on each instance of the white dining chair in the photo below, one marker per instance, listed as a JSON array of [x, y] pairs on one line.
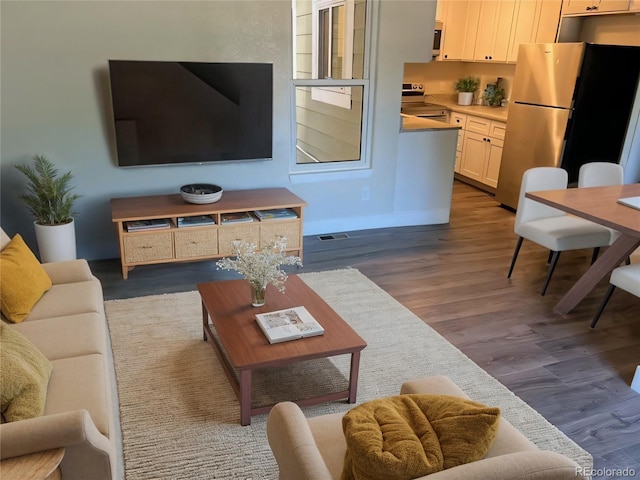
[[627, 278], [550, 227], [601, 174]]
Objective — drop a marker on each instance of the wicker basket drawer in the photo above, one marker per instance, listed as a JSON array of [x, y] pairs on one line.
[[148, 247], [250, 233], [196, 243], [269, 232]]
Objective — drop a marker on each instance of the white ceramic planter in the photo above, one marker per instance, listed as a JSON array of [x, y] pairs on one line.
[[56, 243], [465, 98]]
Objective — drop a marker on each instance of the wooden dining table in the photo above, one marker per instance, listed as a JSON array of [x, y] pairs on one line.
[[600, 205]]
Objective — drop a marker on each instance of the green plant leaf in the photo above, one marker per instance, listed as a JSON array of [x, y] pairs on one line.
[[467, 84], [48, 196]]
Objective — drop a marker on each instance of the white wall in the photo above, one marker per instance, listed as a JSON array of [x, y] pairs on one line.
[[55, 101]]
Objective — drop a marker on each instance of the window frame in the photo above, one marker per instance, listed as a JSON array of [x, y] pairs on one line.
[[367, 84], [338, 96]]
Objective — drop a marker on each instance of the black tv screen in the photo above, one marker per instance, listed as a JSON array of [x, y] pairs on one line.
[[191, 112]]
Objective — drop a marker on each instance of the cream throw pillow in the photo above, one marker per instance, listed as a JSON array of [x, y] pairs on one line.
[[22, 280], [24, 373]]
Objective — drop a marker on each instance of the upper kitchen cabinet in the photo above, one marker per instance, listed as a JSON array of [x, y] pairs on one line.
[[492, 30], [495, 23], [476, 30], [459, 28], [534, 21], [591, 7]]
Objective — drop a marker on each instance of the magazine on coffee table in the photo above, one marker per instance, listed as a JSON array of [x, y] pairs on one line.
[[288, 324]]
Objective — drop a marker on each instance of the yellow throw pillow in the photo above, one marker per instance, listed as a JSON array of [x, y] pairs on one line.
[[24, 373], [409, 436], [22, 280]]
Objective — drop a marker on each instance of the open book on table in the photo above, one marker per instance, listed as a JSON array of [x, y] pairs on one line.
[[288, 324]]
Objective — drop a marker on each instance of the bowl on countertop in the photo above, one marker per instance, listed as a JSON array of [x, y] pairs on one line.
[[201, 193]]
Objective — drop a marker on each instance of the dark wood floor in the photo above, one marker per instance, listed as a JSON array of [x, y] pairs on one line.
[[453, 276]]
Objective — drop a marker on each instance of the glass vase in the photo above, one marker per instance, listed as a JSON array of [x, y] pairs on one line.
[[257, 294]]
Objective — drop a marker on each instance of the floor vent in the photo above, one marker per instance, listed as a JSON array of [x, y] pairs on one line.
[[333, 236]]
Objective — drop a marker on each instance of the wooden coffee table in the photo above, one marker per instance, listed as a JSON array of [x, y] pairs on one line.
[[240, 344]]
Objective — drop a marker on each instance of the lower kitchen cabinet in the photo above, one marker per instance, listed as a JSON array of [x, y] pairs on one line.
[[482, 150], [459, 119]]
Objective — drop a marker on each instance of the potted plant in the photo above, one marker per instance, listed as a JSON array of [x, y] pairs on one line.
[[493, 97], [465, 87], [50, 201], [260, 267]]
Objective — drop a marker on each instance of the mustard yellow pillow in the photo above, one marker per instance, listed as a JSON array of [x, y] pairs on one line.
[[24, 373], [409, 436], [22, 280]]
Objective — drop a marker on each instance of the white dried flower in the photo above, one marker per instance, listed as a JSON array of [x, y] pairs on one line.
[[260, 267]]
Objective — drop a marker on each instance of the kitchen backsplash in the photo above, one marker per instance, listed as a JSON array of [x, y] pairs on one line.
[[439, 78]]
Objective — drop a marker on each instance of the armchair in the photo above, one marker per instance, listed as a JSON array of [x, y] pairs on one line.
[[314, 448]]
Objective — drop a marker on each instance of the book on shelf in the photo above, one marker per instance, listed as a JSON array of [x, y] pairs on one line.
[[153, 224], [236, 217], [288, 324], [275, 214], [195, 221]]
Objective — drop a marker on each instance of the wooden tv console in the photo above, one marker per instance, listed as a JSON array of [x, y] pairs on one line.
[[174, 244]]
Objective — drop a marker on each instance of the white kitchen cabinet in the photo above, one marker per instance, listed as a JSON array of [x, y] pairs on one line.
[[494, 30], [482, 150], [473, 155], [456, 29], [459, 119], [534, 21], [590, 7], [492, 162]]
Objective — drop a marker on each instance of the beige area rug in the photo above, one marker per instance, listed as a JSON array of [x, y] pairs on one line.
[[180, 418]]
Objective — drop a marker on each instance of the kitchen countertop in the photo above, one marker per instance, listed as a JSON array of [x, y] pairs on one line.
[[409, 123], [492, 113], [450, 102]]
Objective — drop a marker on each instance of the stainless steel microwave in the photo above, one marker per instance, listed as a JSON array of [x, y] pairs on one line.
[[437, 38]]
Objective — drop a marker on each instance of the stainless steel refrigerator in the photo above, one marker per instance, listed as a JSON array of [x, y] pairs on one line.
[[570, 105]]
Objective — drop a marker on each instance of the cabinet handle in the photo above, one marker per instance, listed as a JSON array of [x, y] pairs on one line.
[[446, 56], [489, 140]]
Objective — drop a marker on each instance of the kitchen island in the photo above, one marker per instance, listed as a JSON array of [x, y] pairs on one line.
[[426, 159]]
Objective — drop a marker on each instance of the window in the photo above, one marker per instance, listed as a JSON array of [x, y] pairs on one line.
[[332, 49], [330, 85]]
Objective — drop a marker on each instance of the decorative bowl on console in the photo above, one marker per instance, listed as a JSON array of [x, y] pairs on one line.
[[201, 193]]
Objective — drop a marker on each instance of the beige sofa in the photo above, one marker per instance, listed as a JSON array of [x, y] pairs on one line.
[[68, 326], [314, 448]]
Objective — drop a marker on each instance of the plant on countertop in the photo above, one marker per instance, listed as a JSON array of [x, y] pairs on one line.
[[48, 196], [494, 98], [260, 267], [467, 84]]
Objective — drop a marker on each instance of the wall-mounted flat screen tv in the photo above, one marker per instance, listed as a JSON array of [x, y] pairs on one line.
[[191, 112]]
